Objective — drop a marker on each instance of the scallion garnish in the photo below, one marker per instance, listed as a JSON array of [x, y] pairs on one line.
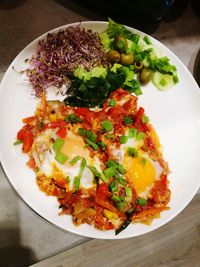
[[90, 135], [128, 120], [141, 201], [145, 119], [138, 91], [92, 144], [110, 136], [72, 118], [113, 186], [74, 160], [61, 157], [77, 181], [121, 205], [121, 169], [58, 144], [128, 192], [116, 198], [120, 179], [82, 167], [103, 177], [102, 145], [17, 142], [132, 152], [123, 139], [132, 132], [112, 102], [109, 172], [107, 125], [111, 163], [140, 136], [81, 131]]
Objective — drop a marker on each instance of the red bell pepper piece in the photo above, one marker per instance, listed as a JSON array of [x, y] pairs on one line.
[[27, 141], [62, 132]]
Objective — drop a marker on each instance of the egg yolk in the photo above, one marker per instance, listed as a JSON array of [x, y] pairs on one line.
[[140, 172], [74, 146]]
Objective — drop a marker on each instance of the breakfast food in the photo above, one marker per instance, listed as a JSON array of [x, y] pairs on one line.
[[104, 165]]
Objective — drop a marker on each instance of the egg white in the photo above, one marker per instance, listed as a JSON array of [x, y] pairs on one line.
[[44, 156]]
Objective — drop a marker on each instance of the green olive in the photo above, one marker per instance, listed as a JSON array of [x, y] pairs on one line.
[[120, 43], [127, 59], [145, 75], [114, 56], [138, 65]]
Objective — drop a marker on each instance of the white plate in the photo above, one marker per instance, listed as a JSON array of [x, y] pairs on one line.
[[175, 115]]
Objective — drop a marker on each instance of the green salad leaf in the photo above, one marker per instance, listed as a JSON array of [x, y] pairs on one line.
[[119, 29], [89, 89]]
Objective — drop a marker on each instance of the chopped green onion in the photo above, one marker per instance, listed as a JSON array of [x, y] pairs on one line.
[[121, 169], [61, 158], [120, 179], [72, 118], [102, 145], [128, 120], [94, 171], [40, 124], [113, 186], [138, 91], [128, 192], [145, 119], [104, 178], [121, 205], [109, 172], [140, 136], [58, 144], [74, 160], [81, 131], [141, 201], [91, 135], [132, 132], [92, 144], [111, 163], [147, 40], [77, 181], [123, 139], [116, 198], [17, 142], [132, 152], [107, 125], [110, 136], [82, 167], [112, 102]]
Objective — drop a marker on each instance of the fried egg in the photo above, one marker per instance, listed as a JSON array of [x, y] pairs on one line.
[[44, 156], [141, 170]]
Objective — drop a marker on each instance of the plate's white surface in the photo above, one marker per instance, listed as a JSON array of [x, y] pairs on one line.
[[175, 115]]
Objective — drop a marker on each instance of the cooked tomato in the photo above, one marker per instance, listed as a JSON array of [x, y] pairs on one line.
[[27, 141], [62, 132]]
